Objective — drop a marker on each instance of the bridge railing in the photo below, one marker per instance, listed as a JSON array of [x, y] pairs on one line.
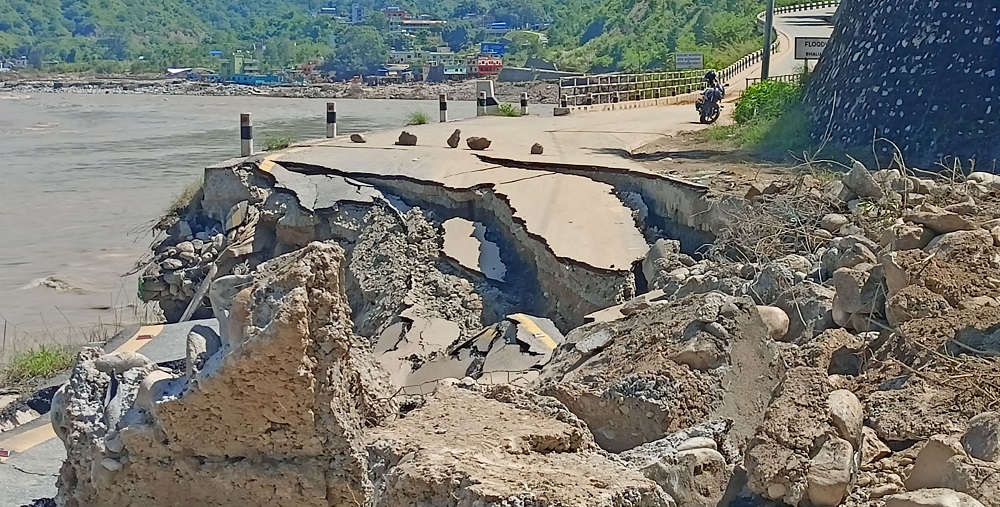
[[609, 88], [727, 74], [784, 78]]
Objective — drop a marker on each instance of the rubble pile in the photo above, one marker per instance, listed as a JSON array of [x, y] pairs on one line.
[[843, 354]]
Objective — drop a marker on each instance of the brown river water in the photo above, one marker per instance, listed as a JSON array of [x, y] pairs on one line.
[[82, 176]]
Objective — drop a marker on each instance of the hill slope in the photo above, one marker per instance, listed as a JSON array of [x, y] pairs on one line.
[[584, 34]]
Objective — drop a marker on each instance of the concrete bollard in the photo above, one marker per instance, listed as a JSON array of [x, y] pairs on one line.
[[524, 103], [481, 106], [331, 120], [443, 107], [246, 135]]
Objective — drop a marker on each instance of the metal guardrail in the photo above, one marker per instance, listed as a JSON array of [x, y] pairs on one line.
[[609, 88], [784, 78]]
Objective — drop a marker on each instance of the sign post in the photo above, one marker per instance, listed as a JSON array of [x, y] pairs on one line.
[[810, 48], [765, 64], [689, 61]]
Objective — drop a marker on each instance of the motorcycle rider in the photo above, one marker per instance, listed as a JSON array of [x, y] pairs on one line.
[[712, 82]]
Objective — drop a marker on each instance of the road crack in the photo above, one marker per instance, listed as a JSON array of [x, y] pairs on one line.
[[28, 472]]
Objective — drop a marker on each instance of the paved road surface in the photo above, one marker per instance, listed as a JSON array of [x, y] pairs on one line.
[[814, 23], [579, 217]]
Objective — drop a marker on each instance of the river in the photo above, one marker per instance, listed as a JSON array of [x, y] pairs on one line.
[[83, 176]]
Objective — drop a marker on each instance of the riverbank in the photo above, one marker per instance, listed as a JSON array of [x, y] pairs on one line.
[[539, 92]]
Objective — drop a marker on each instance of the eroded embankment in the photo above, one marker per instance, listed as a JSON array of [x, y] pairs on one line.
[[675, 208], [561, 288]]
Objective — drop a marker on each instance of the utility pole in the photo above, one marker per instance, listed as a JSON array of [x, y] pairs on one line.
[[765, 65]]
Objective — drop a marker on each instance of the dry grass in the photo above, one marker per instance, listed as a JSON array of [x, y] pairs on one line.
[[189, 195], [771, 227]]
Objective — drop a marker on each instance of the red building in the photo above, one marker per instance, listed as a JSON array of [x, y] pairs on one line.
[[488, 66]]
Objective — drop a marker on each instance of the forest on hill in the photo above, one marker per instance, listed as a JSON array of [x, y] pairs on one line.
[[584, 35]]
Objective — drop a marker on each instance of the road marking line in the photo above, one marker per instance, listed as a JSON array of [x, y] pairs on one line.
[[37, 436], [140, 338], [535, 331], [26, 440]]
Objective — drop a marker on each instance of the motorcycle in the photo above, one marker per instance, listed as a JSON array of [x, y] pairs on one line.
[[709, 104]]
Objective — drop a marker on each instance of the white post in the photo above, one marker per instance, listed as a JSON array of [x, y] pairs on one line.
[[524, 103], [481, 107], [246, 135], [443, 107], [331, 120]]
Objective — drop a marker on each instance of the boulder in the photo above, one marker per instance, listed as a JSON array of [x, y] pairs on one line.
[[981, 177], [809, 307], [932, 462], [358, 138], [478, 143], [909, 237], [860, 180], [119, 362], [838, 193], [537, 149], [859, 291], [937, 497], [847, 252], [873, 448], [946, 244], [938, 220], [982, 440], [966, 207], [406, 139], [979, 479], [833, 222], [695, 477], [995, 232], [797, 453], [454, 139], [847, 415], [831, 473], [775, 320]]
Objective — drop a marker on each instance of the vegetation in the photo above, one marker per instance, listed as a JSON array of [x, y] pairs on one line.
[[418, 118], [769, 119], [183, 200], [36, 364], [509, 110], [136, 36], [272, 143]]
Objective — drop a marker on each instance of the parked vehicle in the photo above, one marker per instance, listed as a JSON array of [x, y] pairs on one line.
[[709, 105]]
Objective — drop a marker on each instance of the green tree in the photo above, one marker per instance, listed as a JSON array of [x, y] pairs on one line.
[[359, 50], [378, 21]]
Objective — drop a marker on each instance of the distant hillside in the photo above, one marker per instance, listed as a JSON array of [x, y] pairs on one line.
[[584, 34]]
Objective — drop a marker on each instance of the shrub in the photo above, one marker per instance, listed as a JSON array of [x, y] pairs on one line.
[[509, 110], [40, 363], [418, 118], [766, 101], [272, 143]]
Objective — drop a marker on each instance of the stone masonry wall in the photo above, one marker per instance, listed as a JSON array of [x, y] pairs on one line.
[[923, 74]]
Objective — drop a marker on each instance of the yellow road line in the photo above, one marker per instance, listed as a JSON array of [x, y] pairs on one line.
[[140, 338], [535, 331], [269, 161], [27, 440], [31, 438]]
